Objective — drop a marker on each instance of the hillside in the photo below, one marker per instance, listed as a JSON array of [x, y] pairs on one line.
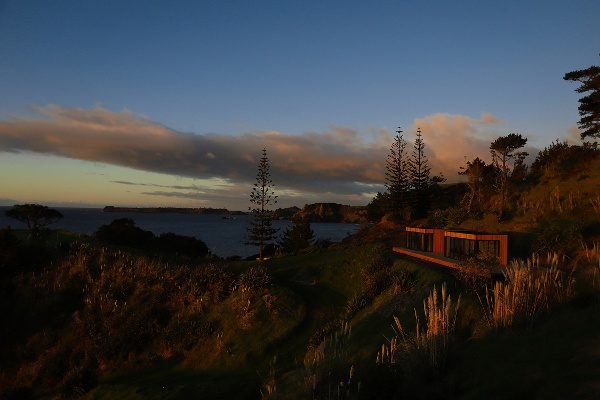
[[83, 320], [332, 212]]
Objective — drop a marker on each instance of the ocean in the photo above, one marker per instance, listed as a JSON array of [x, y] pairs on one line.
[[223, 236]]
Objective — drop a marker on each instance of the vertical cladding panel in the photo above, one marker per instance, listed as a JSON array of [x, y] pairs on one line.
[[438, 241], [503, 249]]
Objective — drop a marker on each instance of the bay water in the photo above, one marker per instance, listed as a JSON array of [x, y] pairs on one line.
[[224, 235]]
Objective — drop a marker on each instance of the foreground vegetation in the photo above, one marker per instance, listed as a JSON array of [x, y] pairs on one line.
[[100, 318], [99, 322]]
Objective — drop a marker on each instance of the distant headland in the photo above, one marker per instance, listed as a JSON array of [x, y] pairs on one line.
[[317, 212], [173, 210]]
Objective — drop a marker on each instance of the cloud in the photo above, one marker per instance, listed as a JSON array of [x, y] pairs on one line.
[[176, 187], [449, 139], [338, 163], [574, 134]]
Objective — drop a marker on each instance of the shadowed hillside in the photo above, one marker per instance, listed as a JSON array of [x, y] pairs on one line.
[[353, 320]]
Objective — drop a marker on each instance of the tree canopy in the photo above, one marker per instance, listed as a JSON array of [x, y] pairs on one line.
[[480, 178], [297, 237], [504, 149], [35, 216], [589, 105]]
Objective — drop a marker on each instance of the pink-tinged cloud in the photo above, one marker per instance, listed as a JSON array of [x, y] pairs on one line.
[[339, 162], [450, 139], [574, 135]]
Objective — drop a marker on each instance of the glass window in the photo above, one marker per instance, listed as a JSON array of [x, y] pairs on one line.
[[419, 241]]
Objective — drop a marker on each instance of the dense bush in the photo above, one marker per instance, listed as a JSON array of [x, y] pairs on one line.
[[123, 232], [555, 237], [297, 237], [563, 159], [188, 246]]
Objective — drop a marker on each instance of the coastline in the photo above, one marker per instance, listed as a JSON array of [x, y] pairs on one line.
[[172, 210]]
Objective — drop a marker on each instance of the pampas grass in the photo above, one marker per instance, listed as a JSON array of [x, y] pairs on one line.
[[530, 288], [327, 371], [427, 348]]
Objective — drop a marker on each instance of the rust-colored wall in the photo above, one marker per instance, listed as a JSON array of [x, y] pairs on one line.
[[438, 241], [440, 234]]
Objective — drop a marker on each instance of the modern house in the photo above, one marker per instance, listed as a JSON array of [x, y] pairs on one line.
[[449, 247]]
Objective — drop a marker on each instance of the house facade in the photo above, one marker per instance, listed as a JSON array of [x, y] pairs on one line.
[[454, 244]]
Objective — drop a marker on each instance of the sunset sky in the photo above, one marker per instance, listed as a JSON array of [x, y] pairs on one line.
[[156, 103]]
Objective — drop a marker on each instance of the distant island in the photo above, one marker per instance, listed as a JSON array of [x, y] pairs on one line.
[[173, 210], [317, 212]]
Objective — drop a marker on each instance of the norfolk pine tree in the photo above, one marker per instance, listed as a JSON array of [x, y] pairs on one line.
[[261, 231], [396, 177], [419, 177]]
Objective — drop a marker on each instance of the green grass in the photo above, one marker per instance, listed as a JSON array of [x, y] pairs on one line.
[[555, 357], [173, 382]]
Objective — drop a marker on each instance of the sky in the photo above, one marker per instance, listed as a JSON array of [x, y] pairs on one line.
[[155, 103]]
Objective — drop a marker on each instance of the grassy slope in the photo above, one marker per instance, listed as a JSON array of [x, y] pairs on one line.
[[311, 290], [561, 198], [558, 357]]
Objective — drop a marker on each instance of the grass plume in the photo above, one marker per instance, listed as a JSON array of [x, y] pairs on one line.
[[428, 346]]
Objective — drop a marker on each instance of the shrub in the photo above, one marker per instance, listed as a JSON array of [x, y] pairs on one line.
[[171, 243], [437, 219], [211, 282], [297, 237], [254, 278], [476, 272], [457, 216], [123, 232], [558, 238]]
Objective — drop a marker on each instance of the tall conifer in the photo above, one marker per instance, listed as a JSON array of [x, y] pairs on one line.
[[396, 177], [419, 177], [261, 231]]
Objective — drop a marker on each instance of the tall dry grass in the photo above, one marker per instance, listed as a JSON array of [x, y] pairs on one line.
[[593, 267], [328, 374], [529, 289], [428, 346]]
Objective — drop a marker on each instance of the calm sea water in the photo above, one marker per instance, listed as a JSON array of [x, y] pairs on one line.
[[223, 236]]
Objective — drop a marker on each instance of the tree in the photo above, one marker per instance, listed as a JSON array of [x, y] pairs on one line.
[[35, 216], [419, 177], [504, 149], [123, 232], [397, 182], [563, 159], [377, 208], [589, 105], [261, 231], [296, 237], [480, 177]]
